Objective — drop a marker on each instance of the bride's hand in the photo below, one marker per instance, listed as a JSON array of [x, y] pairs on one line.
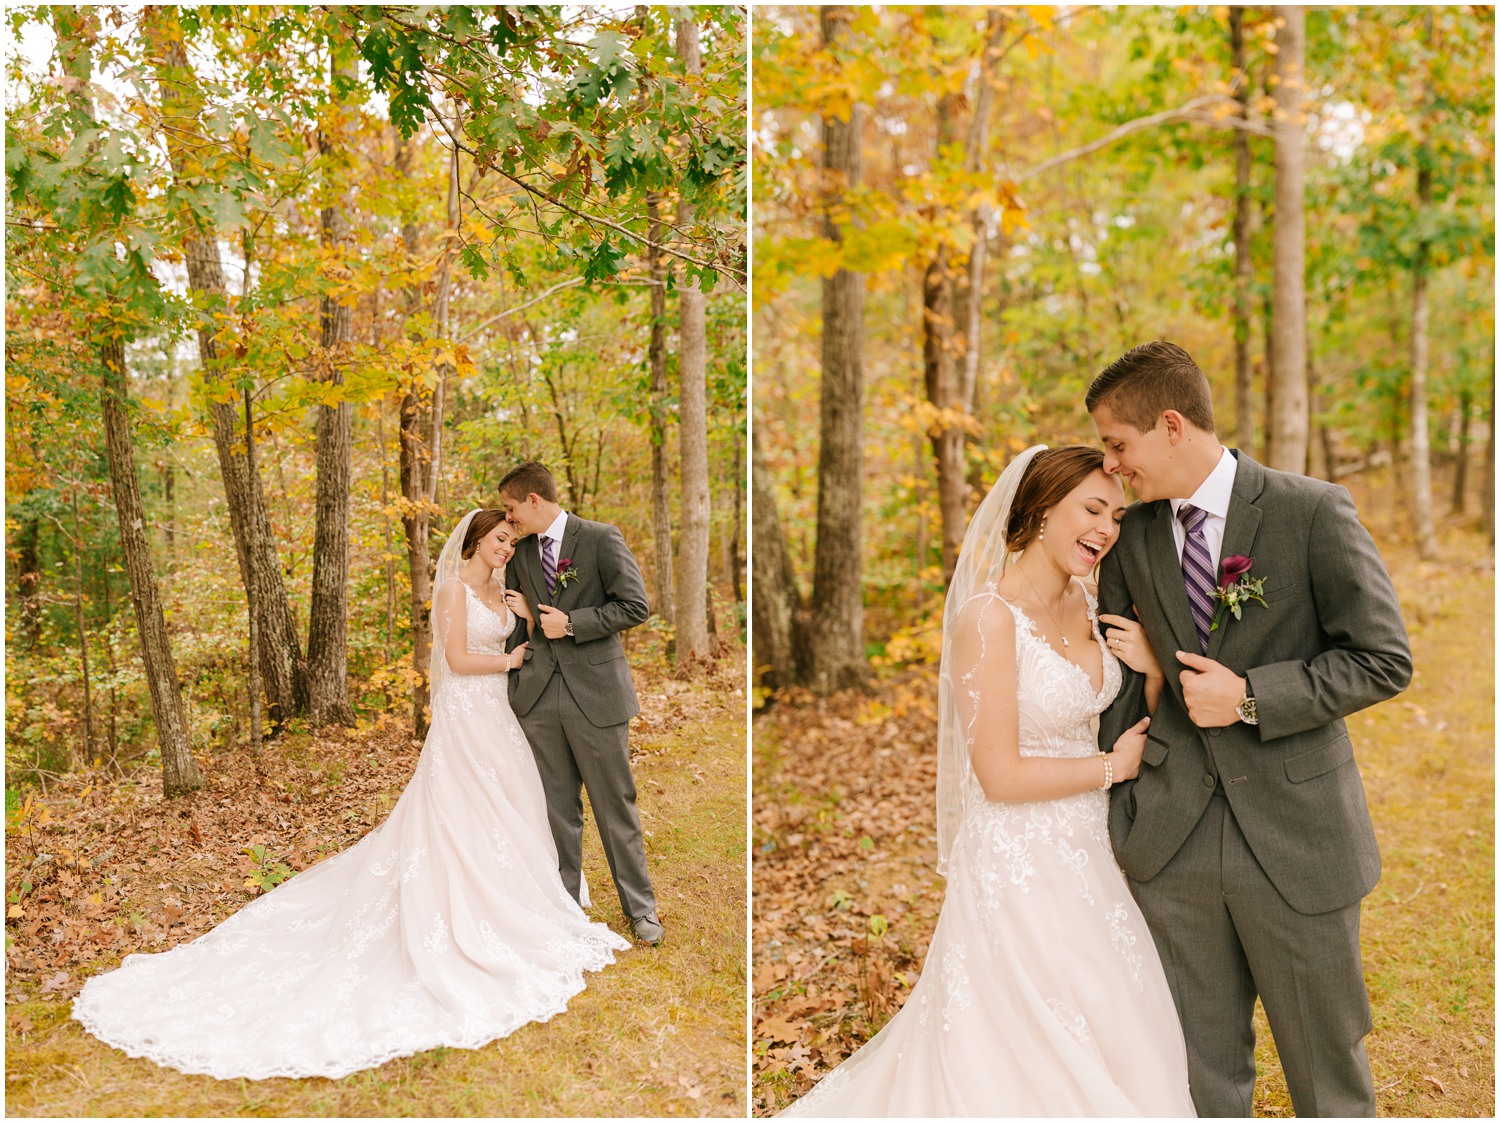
[[515, 657], [1128, 749], [515, 600], [1127, 639]]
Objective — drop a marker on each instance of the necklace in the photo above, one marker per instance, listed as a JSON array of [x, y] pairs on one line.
[[1045, 609], [483, 598]]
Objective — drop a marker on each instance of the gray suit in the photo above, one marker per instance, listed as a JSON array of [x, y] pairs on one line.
[[575, 698], [1249, 848]]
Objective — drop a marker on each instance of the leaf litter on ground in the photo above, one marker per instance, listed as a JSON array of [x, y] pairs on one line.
[[102, 867]]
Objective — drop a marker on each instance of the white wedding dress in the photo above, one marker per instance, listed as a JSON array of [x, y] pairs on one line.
[[446, 925], [1042, 993]]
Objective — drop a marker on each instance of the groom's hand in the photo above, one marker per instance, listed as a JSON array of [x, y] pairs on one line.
[[555, 622], [1211, 691]]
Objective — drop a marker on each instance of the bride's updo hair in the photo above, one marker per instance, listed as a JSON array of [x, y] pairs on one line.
[[480, 525], [1051, 475]]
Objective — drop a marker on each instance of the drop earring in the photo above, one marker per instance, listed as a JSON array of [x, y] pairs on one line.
[[1041, 535]]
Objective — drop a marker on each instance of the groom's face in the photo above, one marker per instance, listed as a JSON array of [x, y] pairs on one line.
[[524, 514], [1144, 460]]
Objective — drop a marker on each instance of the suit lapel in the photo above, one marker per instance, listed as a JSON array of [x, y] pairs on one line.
[[1171, 593], [566, 549], [1240, 528], [535, 575]]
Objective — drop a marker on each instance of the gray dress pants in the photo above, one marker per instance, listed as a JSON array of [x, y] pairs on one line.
[[1225, 934], [572, 752]]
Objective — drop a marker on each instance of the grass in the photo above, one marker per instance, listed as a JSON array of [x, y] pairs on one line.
[[660, 1033]]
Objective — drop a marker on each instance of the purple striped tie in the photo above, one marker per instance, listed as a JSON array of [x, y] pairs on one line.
[[549, 566], [1197, 570]]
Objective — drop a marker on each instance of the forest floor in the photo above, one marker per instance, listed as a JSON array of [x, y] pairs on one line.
[[846, 892], [659, 1033]]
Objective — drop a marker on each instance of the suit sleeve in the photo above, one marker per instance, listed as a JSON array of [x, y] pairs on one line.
[[624, 592], [1368, 658], [522, 631], [1129, 705]]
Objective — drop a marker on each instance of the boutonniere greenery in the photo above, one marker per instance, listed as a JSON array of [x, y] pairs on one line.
[[565, 572], [1237, 588]]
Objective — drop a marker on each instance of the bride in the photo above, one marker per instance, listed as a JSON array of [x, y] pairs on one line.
[[446, 925], [1042, 993]]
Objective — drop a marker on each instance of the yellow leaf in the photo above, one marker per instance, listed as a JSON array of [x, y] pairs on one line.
[[15, 912]]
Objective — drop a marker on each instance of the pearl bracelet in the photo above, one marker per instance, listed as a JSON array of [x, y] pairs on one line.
[[1109, 771]]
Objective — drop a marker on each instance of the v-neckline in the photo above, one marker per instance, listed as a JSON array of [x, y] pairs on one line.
[[498, 616], [1036, 633]]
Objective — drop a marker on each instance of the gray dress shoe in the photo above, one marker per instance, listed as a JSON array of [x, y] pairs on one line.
[[648, 930]]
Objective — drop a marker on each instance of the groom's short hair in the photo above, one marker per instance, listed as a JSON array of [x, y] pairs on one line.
[[1150, 379], [529, 478]]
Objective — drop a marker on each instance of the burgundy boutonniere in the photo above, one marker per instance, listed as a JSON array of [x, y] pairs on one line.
[[1236, 587], [565, 572]]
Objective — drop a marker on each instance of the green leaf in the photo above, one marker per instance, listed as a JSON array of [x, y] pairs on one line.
[[474, 261], [603, 263], [118, 197]]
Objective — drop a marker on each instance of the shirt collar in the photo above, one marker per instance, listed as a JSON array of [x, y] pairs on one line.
[[1214, 493], [555, 531]]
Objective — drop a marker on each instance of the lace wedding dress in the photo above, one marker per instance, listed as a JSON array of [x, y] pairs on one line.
[[446, 925], [1042, 993]]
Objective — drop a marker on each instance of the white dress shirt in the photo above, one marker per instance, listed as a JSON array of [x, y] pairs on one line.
[[555, 532], [1213, 496]]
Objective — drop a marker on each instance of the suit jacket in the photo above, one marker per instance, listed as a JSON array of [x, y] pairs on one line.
[[1328, 642], [607, 596]]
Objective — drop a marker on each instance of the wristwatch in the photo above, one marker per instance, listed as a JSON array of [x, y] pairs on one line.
[[1246, 709], [568, 631]]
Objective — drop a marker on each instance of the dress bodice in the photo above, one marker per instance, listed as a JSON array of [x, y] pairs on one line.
[[1055, 706], [1056, 700], [486, 630]]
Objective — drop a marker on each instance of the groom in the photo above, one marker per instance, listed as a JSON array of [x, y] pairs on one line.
[[1246, 838], [573, 693]]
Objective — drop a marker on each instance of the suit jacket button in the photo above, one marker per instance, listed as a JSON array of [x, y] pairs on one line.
[[1208, 781], [1213, 732]]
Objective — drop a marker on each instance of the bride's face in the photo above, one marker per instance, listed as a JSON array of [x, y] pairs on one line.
[[498, 546], [1085, 523]]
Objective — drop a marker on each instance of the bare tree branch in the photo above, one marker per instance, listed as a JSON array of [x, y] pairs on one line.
[[1190, 111]]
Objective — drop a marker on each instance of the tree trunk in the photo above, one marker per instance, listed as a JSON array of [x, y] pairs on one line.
[[1489, 461], [414, 466], [29, 576], [251, 608], [83, 635], [1421, 453], [179, 770], [1244, 381], [1461, 466], [112, 730], [328, 615], [661, 486], [282, 667], [775, 606], [732, 543], [951, 313], [1319, 462], [938, 374], [836, 626], [1289, 423], [692, 428], [946, 432]]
